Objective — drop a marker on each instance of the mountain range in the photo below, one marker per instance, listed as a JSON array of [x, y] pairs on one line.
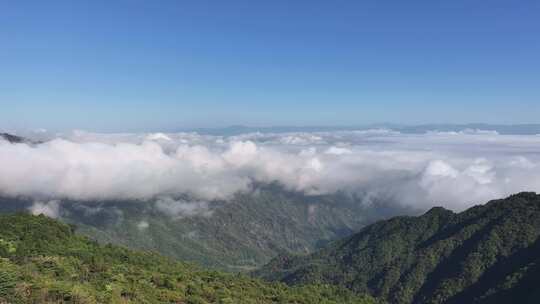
[[44, 261], [12, 138], [486, 254], [515, 129], [236, 235]]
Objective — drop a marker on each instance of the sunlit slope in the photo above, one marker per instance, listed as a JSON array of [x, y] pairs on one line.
[[43, 261]]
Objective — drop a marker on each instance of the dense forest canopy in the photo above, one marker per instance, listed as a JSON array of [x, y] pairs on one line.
[[43, 261], [486, 254]]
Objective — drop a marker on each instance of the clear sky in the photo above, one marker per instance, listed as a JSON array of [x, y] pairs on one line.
[[136, 65]]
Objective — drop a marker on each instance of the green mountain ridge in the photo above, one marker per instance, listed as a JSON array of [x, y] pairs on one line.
[[486, 254], [44, 261]]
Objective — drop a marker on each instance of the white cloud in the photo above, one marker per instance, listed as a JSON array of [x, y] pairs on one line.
[[455, 170], [440, 169], [182, 208], [338, 151], [143, 225], [158, 136], [50, 209]]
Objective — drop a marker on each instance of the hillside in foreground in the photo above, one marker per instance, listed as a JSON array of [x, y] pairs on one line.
[[43, 261], [486, 254]]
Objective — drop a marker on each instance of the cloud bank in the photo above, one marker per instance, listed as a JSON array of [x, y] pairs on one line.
[[453, 169]]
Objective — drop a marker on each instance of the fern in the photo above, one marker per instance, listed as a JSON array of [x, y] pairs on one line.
[[7, 283]]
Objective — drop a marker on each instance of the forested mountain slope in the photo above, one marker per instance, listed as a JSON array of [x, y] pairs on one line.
[[486, 254], [43, 261], [240, 234]]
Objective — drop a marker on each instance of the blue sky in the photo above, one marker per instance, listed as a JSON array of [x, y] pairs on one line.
[[141, 65]]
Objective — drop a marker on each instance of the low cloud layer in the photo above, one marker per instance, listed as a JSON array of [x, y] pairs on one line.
[[455, 169], [182, 208], [50, 209]]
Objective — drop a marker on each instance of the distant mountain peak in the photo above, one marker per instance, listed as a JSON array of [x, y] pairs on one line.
[[14, 139]]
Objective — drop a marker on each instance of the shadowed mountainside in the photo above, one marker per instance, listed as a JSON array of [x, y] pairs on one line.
[[486, 254]]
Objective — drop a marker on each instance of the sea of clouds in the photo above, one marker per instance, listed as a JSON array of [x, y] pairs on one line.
[[452, 169]]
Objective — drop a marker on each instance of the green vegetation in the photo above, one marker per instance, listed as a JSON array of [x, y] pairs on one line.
[[487, 254], [43, 261], [241, 235]]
